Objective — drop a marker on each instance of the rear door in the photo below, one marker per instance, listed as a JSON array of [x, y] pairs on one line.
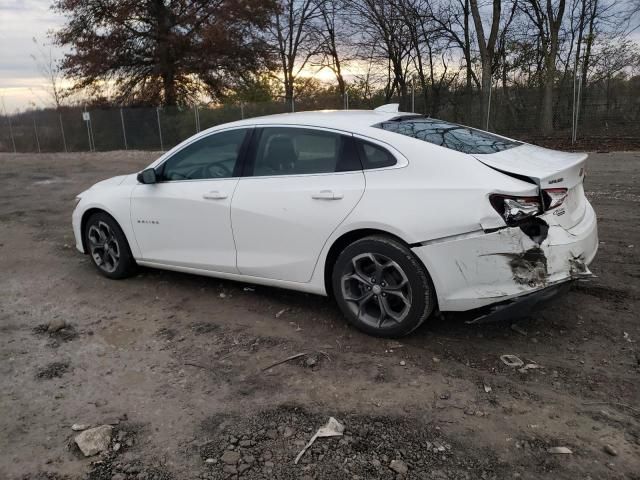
[[300, 184]]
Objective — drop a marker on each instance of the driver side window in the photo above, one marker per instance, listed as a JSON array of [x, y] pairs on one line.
[[214, 156]]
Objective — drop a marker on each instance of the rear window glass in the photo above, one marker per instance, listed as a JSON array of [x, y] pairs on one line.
[[374, 156], [448, 135]]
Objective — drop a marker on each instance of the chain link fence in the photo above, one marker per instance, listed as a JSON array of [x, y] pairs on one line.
[[600, 114]]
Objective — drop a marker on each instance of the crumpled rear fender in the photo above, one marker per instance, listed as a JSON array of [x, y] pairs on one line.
[[486, 268]]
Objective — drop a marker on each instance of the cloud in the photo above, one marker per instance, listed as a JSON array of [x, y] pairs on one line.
[[20, 22]]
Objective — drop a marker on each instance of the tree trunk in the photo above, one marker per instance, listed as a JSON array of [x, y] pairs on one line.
[[467, 47], [593, 14], [288, 91], [169, 86], [486, 92], [166, 64], [546, 119], [487, 49], [338, 72]]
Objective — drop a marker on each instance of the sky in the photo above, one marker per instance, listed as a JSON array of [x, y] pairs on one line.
[[21, 84], [20, 21]]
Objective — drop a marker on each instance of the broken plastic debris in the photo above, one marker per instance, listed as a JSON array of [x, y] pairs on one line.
[[333, 428], [529, 366], [511, 361], [519, 329], [487, 388], [561, 450]]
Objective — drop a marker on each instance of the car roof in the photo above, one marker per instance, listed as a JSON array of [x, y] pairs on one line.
[[356, 121]]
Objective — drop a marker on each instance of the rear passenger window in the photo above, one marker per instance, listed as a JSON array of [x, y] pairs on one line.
[[374, 156], [300, 151]]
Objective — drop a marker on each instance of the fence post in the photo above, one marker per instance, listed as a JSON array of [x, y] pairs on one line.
[[489, 106], [159, 129], [85, 117], [575, 130], [64, 140], [13, 140], [413, 95], [293, 105], [35, 130], [93, 140], [196, 115], [4, 110], [346, 100], [124, 131], [241, 110]]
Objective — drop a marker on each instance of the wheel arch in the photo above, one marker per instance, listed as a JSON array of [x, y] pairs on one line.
[[345, 240], [85, 218]]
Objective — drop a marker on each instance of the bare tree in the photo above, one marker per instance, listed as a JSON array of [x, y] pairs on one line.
[[487, 46], [49, 67], [429, 50], [296, 39], [384, 31], [331, 31], [454, 21], [547, 17]]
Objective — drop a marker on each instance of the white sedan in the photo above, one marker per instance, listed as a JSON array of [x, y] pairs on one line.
[[393, 214]]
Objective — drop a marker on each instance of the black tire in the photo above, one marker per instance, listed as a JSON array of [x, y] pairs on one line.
[[378, 277], [108, 247]]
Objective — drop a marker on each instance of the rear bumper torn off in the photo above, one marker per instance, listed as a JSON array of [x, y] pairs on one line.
[[521, 305], [496, 267]]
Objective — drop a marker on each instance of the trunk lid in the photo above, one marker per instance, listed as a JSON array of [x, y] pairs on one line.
[[548, 169]]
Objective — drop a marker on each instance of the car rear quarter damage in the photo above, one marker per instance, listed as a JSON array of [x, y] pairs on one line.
[[495, 266]]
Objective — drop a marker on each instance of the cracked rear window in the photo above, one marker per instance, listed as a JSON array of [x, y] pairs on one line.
[[448, 135]]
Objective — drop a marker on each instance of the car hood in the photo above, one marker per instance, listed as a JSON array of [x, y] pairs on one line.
[[548, 168], [110, 182]]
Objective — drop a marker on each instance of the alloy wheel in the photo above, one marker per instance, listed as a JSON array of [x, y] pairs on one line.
[[376, 290], [104, 246]]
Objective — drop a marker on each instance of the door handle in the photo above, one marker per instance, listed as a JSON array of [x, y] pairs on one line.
[[327, 195], [215, 195]]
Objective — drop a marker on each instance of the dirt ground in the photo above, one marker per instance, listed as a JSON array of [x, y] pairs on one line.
[[176, 362]]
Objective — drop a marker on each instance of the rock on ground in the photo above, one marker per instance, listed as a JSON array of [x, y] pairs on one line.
[[230, 457], [94, 440], [399, 466], [55, 325]]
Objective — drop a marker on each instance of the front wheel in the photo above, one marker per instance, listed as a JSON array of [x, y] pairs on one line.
[[381, 287], [108, 246]]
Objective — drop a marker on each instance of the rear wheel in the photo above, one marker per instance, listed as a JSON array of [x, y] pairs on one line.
[[381, 287], [108, 246]]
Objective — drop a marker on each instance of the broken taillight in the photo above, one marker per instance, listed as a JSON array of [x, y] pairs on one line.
[[553, 197], [515, 209]]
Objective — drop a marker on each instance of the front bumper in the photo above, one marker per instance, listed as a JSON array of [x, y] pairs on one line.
[[492, 268], [76, 220]]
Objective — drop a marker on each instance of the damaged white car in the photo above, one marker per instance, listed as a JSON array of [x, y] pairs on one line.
[[393, 214]]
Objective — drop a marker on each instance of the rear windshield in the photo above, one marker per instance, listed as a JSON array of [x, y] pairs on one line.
[[449, 135]]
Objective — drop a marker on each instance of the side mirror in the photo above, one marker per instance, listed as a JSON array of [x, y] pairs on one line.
[[147, 176]]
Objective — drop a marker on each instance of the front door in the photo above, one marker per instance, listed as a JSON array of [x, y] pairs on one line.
[[184, 218], [302, 184]]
